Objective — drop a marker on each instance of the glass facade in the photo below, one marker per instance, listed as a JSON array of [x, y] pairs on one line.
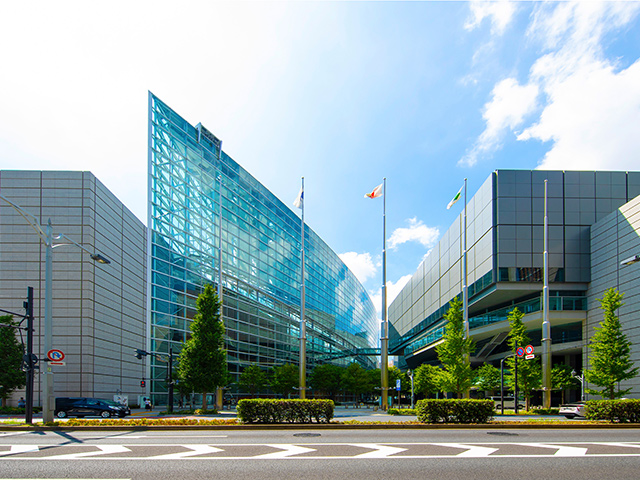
[[198, 196]]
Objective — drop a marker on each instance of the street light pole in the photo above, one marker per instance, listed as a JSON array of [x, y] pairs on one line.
[[410, 373], [170, 400]]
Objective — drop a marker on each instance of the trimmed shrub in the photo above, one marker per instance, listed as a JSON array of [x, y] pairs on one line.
[[613, 410], [545, 411], [263, 410], [455, 411], [402, 411]]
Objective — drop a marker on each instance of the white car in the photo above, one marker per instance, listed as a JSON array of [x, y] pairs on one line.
[[572, 410]]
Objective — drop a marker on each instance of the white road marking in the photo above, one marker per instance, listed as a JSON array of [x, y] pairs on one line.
[[195, 450], [379, 451], [472, 451], [608, 444], [287, 451], [104, 450], [563, 450], [20, 449]]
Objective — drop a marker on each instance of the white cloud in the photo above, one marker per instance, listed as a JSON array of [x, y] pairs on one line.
[[416, 232], [510, 104], [360, 264], [589, 106], [593, 107], [592, 119], [499, 13], [393, 289]]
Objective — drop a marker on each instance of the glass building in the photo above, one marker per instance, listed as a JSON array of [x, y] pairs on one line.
[[199, 197]]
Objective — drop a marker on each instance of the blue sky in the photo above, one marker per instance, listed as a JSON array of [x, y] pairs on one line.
[[342, 93]]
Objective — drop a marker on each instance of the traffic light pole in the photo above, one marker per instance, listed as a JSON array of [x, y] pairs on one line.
[[28, 410]]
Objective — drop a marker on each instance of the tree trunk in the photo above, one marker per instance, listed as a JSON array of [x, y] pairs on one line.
[[204, 401]]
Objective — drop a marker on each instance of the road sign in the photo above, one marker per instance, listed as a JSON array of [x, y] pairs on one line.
[[520, 352], [530, 356], [398, 384], [528, 349], [55, 357]]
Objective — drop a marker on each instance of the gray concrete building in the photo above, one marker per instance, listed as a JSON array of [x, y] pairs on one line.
[[615, 262], [98, 311], [505, 232]]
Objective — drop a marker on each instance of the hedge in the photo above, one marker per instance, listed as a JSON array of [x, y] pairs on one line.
[[280, 411], [613, 410], [455, 411]]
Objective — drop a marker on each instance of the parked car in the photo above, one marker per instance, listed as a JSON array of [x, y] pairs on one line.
[[572, 410], [85, 407], [509, 403]]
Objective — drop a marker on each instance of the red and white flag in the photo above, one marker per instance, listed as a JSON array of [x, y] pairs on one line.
[[377, 192]]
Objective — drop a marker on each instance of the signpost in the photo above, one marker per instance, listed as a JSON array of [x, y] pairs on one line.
[[55, 357], [529, 352]]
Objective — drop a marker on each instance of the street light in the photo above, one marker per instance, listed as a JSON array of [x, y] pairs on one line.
[[630, 260], [46, 236], [580, 378]]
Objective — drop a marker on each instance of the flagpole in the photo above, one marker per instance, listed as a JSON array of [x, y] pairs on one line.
[[384, 337], [303, 328], [465, 290], [546, 325]]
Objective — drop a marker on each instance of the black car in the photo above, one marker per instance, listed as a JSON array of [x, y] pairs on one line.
[[83, 407]]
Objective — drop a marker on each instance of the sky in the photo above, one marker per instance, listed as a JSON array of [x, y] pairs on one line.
[[344, 94]]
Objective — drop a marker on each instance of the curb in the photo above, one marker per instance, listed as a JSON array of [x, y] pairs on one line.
[[320, 426]]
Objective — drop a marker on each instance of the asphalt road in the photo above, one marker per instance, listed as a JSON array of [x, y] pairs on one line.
[[322, 454]]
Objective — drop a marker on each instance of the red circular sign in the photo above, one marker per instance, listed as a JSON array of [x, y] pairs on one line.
[[55, 355], [520, 351], [528, 349]]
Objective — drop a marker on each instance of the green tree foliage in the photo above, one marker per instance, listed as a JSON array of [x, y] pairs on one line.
[[203, 359], [284, 379], [253, 379], [454, 351], [610, 352], [529, 371], [11, 374], [426, 380], [487, 378], [561, 378], [327, 379], [356, 380]]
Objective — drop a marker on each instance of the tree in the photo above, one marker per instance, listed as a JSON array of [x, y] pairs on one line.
[[284, 379], [11, 374], [562, 379], [252, 379], [327, 378], [356, 379], [529, 371], [610, 356], [426, 379], [203, 359], [487, 378], [454, 352]]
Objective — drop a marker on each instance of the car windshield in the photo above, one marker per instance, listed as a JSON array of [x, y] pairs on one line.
[[111, 403]]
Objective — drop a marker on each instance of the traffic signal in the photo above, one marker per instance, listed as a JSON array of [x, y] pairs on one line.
[[140, 353], [142, 383]]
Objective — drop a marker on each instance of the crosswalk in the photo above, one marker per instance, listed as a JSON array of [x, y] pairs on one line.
[[274, 451]]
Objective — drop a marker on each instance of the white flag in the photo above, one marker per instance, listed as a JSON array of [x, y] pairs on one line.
[[298, 201], [455, 198]]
